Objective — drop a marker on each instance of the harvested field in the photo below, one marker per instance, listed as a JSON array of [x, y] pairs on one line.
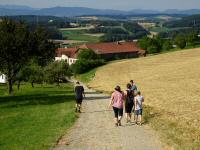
[[171, 85]]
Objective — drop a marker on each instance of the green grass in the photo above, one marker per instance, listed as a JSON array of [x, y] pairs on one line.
[[86, 77], [35, 118], [79, 35]]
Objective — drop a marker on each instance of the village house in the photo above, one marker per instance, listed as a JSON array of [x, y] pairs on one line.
[[2, 78], [108, 51], [67, 54]]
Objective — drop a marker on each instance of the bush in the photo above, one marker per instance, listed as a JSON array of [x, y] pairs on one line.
[[87, 60], [152, 49], [88, 54], [167, 45], [82, 66], [57, 72], [151, 45], [180, 41]]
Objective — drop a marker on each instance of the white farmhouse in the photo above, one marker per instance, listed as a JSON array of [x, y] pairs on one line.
[[66, 54], [2, 78]]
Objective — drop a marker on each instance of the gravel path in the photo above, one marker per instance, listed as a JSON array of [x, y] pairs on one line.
[[95, 130]]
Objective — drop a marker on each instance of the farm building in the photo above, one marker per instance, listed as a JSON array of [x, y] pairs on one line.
[[66, 54], [2, 78], [108, 51], [115, 50]]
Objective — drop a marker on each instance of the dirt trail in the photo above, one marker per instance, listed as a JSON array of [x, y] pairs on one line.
[[95, 130]]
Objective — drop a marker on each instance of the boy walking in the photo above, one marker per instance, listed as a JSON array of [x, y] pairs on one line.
[[138, 100], [79, 92]]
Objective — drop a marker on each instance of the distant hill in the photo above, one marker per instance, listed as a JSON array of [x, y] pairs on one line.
[[187, 12], [17, 7], [9, 10], [188, 21]]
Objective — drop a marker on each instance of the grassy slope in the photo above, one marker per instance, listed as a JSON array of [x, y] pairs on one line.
[[35, 118], [170, 84], [86, 77], [79, 35]]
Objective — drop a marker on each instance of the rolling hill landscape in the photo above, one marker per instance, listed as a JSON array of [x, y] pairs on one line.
[[9, 10], [47, 46]]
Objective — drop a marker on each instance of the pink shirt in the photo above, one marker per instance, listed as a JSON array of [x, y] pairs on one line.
[[117, 99]]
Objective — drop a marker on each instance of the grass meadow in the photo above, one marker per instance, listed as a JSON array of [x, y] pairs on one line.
[[170, 85], [80, 35], [86, 77], [35, 118]]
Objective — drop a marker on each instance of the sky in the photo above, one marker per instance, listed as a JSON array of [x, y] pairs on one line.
[[109, 4]]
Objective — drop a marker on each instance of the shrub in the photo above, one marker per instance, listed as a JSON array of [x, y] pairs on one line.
[[88, 54], [152, 49], [151, 45], [167, 45], [82, 66], [180, 41], [57, 72]]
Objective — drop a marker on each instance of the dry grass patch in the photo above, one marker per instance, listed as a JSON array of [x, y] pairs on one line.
[[171, 84]]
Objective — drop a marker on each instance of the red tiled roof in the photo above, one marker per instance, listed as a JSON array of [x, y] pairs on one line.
[[102, 48], [70, 52], [114, 47]]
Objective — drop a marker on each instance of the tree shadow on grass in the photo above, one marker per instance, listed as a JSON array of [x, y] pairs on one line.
[[97, 111], [93, 92], [36, 99]]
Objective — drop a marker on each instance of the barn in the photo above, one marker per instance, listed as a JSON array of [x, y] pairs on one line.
[[108, 51]]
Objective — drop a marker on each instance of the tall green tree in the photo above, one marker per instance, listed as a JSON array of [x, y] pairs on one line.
[[151, 45], [32, 73], [18, 46], [43, 48], [14, 49]]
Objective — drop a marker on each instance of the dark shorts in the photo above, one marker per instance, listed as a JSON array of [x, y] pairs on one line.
[[118, 112], [79, 100], [138, 112], [128, 107]]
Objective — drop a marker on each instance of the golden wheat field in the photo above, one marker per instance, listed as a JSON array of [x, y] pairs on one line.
[[171, 85]]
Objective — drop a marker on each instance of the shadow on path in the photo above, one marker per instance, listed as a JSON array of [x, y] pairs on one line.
[[96, 97], [97, 111]]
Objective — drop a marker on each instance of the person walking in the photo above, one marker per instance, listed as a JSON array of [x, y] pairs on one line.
[[129, 102], [133, 86], [134, 90], [138, 100], [79, 93], [117, 101]]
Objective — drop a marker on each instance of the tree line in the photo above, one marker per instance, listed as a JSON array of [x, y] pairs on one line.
[[158, 44], [28, 55], [120, 31]]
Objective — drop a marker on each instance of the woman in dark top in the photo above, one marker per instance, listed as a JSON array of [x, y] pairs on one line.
[[129, 102], [79, 91]]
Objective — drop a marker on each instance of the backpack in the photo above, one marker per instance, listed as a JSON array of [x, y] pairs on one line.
[[129, 97]]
